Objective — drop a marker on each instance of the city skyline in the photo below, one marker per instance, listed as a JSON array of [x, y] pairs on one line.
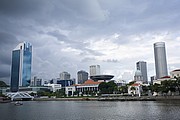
[[71, 36]]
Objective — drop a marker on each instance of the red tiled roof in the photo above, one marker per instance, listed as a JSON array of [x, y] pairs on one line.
[[88, 82], [135, 84], [166, 77]]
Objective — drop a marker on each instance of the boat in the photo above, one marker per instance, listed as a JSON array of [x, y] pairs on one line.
[[18, 103]]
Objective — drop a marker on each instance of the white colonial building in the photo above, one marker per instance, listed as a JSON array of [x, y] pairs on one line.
[[87, 86], [175, 73]]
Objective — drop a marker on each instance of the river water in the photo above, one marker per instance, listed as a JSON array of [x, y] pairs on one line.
[[91, 110]]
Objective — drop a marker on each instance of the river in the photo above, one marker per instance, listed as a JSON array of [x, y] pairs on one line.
[[91, 110]]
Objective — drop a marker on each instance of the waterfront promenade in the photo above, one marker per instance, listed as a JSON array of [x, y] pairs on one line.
[[122, 98]]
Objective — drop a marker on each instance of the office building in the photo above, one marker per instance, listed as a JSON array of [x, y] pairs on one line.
[[21, 66], [65, 76], [141, 65], [82, 76], [160, 60], [94, 70], [36, 82]]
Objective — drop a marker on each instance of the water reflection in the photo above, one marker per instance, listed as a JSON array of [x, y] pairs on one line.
[[95, 110]]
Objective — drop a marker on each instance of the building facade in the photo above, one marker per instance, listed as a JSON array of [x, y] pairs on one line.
[[94, 70], [175, 73], [82, 76], [138, 76], [141, 65], [160, 60], [83, 89], [65, 76], [36, 82], [21, 66]]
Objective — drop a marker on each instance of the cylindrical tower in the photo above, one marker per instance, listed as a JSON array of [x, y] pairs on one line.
[[160, 59]]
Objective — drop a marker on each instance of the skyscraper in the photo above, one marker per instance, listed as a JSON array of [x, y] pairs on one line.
[[82, 76], [65, 76], [160, 60], [94, 70], [21, 66], [141, 65]]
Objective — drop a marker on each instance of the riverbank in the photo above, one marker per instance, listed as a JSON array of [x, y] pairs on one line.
[[123, 98]]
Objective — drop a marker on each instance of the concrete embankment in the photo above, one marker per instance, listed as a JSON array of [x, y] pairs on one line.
[[123, 98], [65, 99]]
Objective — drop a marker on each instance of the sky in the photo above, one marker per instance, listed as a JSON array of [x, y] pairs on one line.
[[71, 35]]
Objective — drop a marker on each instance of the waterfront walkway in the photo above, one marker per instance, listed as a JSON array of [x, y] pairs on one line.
[[122, 98]]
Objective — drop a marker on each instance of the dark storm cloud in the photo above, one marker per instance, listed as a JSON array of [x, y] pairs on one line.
[[20, 8], [43, 22], [7, 42]]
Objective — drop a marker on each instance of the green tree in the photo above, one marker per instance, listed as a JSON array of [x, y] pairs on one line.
[[3, 84], [60, 93], [123, 89], [145, 89], [164, 87], [107, 88], [156, 87], [177, 83]]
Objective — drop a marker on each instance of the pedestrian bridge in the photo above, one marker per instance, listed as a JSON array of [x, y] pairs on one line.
[[19, 96]]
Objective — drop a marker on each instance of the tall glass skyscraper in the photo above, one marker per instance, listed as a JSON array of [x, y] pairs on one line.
[[141, 65], [160, 60], [82, 76], [21, 66]]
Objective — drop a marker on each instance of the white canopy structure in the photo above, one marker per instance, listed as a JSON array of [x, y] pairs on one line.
[[19, 95]]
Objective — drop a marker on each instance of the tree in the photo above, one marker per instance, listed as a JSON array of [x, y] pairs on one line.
[[164, 87], [177, 83], [107, 88], [123, 89], [145, 89], [156, 87], [3, 84], [60, 93]]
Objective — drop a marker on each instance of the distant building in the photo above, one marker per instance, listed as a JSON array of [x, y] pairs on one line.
[[153, 78], [36, 82], [65, 83], [82, 76], [94, 70], [21, 66], [138, 76], [65, 76], [54, 87], [160, 60], [135, 89], [85, 88], [141, 65]]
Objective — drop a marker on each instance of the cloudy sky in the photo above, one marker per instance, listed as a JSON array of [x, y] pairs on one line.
[[71, 35]]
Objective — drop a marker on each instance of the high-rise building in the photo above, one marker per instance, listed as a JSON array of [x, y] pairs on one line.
[[141, 65], [94, 70], [82, 76], [21, 66], [36, 82], [65, 76], [160, 60]]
